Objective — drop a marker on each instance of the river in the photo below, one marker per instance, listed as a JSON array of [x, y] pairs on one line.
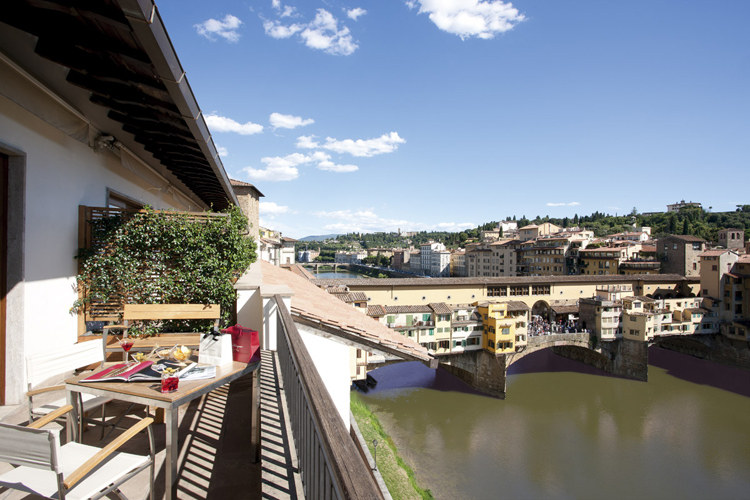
[[337, 275], [569, 431]]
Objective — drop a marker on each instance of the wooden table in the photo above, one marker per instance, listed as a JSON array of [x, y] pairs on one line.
[[148, 393]]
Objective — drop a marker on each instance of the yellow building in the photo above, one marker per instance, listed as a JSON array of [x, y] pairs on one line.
[[499, 327], [358, 363], [603, 260]]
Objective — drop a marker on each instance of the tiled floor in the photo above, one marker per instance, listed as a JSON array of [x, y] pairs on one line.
[[280, 476]]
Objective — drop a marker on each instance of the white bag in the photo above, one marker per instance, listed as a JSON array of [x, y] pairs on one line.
[[215, 349]]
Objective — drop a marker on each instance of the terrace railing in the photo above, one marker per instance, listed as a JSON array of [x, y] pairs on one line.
[[330, 463]]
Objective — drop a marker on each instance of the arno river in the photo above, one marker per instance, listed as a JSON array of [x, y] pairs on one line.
[[569, 431]]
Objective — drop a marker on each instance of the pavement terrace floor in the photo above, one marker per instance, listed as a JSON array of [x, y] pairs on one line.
[[214, 459]]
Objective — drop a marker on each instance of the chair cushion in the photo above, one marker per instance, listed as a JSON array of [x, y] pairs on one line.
[[72, 455]]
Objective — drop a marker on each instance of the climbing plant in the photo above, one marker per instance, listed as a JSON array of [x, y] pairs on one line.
[[165, 257]]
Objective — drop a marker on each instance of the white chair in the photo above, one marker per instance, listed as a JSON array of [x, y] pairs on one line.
[[86, 403], [73, 470]]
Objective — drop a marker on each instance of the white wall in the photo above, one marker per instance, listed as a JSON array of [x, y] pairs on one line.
[[61, 173], [331, 359]]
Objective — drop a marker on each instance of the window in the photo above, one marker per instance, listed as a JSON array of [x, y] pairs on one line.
[[117, 200]]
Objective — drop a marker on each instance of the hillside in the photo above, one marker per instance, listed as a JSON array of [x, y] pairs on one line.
[[688, 221]]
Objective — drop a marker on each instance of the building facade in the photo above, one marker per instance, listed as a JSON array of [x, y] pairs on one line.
[[680, 254]]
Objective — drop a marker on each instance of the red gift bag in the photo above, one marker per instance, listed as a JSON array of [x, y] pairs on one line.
[[245, 343]]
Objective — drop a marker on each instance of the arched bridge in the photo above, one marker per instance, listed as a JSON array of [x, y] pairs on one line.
[[487, 372], [539, 342]]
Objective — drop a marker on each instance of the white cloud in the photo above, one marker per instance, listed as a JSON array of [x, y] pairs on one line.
[[226, 28], [359, 221], [307, 142], [272, 173], [470, 18], [275, 29], [455, 226], [278, 120], [222, 151], [283, 10], [283, 168], [386, 143], [332, 167], [271, 208], [355, 13], [223, 124], [563, 204], [322, 33]]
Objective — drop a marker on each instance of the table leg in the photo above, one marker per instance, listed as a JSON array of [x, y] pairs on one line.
[[170, 461], [71, 429]]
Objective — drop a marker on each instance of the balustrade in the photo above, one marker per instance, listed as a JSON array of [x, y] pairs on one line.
[[330, 464]]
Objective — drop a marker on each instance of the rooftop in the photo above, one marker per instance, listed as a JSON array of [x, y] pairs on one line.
[[315, 306]]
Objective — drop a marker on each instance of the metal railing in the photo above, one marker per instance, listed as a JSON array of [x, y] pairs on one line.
[[330, 464]]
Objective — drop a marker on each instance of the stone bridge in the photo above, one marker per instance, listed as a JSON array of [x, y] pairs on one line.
[[539, 342], [487, 372]]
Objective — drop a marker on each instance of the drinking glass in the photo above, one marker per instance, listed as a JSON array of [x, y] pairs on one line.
[[169, 381], [126, 345]]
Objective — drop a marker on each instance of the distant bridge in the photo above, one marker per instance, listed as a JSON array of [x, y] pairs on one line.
[[625, 358], [317, 265], [487, 372], [361, 268]]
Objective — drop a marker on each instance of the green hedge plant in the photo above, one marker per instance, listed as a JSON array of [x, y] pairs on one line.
[[162, 257]]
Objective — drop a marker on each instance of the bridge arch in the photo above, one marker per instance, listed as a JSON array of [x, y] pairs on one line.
[[541, 308], [541, 342]]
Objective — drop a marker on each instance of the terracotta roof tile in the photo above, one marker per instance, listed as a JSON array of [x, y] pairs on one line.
[[311, 302], [441, 308]]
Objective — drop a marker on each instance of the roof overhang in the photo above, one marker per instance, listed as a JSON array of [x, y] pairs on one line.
[[113, 62]]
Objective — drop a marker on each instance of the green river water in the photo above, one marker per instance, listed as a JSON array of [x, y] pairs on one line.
[[571, 432]]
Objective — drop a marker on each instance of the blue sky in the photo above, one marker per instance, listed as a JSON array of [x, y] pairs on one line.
[[445, 114]]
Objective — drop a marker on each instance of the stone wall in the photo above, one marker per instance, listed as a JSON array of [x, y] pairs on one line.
[[715, 347], [622, 357], [480, 369]]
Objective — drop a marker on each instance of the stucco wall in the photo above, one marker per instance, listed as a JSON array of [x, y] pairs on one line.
[[60, 173], [331, 359]]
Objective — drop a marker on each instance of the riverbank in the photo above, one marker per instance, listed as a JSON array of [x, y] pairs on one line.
[[398, 476]]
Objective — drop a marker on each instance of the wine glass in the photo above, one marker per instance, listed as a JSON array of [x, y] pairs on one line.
[[126, 344]]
